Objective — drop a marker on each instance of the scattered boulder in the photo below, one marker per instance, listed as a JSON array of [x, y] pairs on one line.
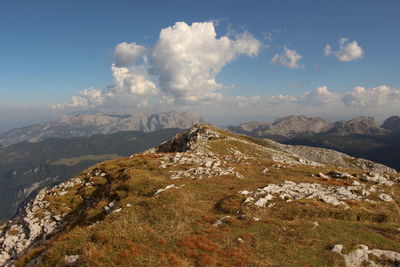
[[360, 256], [340, 175], [385, 197], [71, 260]]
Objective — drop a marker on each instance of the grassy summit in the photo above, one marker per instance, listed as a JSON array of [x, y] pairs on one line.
[[206, 198]]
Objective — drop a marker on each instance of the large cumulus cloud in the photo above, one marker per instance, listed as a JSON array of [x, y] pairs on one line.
[[187, 59], [181, 67]]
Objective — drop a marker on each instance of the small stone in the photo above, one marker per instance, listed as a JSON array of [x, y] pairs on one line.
[[340, 175], [71, 259], [321, 175], [220, 221], [385, 197]]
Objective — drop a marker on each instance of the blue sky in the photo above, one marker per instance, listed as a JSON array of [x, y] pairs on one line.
[[52, 50]]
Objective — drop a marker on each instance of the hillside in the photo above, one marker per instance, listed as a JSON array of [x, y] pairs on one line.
[[212, 198], [25, 168], [90, 124]]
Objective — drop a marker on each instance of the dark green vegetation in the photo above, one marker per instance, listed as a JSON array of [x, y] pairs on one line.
[[27, 167], [384, 149]]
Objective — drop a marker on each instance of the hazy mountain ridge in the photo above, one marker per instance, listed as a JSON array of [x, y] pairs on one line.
[[90, 124], [392, 123], [234, 199], [292, 126]]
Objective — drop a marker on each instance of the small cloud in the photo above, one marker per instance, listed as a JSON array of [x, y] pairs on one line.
[[348, 51], [327, 50], [288, 58]]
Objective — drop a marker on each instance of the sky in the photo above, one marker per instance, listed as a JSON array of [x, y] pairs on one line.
[[230, 61]]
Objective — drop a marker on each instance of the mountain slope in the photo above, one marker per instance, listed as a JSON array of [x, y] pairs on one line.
[[25, 168], [212, 198], [90, 124]]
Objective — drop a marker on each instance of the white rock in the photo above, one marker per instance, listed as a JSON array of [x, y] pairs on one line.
[[220, 221], [165, 188], [71, 259], [385, 197]]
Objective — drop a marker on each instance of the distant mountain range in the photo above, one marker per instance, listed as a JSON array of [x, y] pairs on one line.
[[296, 126], [89, 124], [358, 137], [25, 168]]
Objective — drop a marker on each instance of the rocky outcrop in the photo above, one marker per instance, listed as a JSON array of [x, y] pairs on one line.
[[289, 191], [90, 124], [33, 225], [199, 138], [37, 221], [392, 124]]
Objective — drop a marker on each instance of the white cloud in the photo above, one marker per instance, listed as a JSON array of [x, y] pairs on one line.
[[288, 58], [134, 81], [88, 98], [127, 54], [320, 96], [327, 50], [348, 51], [381, 96], [187, 59]]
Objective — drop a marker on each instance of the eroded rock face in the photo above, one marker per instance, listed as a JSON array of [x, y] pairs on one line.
[[361, 257], [34, 224], [37, 221]]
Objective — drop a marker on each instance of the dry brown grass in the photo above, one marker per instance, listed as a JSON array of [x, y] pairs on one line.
[[175, 228]]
